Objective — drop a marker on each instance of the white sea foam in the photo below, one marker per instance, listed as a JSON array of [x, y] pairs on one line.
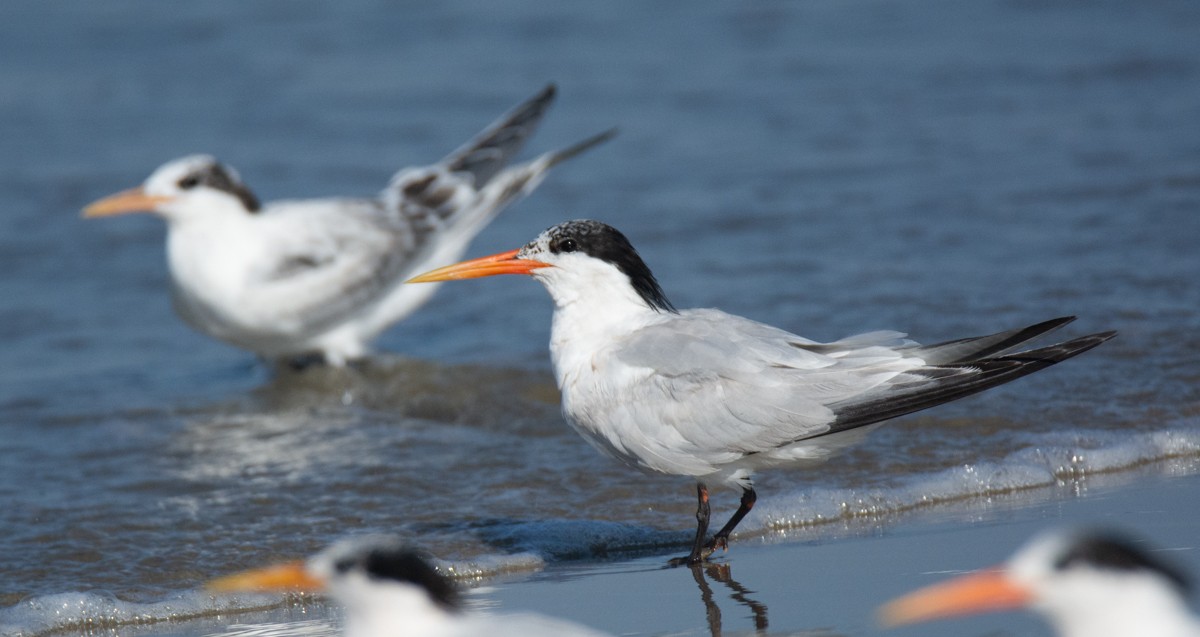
[[97, 612], [1045, 460]]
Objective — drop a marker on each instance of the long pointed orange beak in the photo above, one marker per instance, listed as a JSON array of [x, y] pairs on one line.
[[132, 200], [503, 263], [989, 590], [282, 577]]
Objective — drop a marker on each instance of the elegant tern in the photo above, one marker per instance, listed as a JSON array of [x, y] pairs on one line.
[[715, 396], [290, 280], [1093, 584], [389, 589]]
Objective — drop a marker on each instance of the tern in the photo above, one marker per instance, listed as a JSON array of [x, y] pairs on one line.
[[391, 589], [1093, 584], [715, 396], [320, 278]]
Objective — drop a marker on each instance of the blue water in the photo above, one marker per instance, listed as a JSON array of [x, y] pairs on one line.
[[943, 168]]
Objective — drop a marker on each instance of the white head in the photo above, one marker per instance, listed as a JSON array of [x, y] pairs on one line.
[[189, 188], [573, 260], [1092, 584], [386, 586]]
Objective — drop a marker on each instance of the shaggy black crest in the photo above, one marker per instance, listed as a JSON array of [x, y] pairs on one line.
[[1117, 553], [215, 176], [402, 564], [605, 242]]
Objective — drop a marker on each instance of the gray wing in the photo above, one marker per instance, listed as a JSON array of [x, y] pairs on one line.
[[725, 382], [325, 259], [331, 257]]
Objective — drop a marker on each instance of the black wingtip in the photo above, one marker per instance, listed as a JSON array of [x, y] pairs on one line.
[[579, 148], [1035, 359], [491, 149], [986, 374], [1056, 323], [981, 348], [1070, 348]]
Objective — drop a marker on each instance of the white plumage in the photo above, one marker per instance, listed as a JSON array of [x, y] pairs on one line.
[[714, 396], [323, 277], [1086, 584], [388, 590]]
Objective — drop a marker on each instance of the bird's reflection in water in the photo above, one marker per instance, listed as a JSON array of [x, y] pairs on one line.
[[721, 573]]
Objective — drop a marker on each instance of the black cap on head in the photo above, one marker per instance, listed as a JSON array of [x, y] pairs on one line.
[[604, 242], [399, 563], [1110, 551]]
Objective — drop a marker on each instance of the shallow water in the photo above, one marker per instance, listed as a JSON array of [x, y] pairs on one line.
[[943, 168]]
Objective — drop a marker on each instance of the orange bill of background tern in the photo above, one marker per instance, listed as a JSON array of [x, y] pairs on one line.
[[389, 589], [715, 396], [297, 279]]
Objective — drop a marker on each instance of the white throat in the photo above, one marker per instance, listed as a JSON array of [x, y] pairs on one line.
[[1144, 606], [594, 306], [384, 610]]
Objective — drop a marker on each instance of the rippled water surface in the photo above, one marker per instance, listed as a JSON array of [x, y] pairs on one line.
[[948, 169]]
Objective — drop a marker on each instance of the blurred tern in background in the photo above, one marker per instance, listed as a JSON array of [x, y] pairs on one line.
[[1086, 584], [292, 280], [707, 394], [388, 589]]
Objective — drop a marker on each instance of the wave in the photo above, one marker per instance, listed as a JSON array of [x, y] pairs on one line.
[[1066, 460], [1045, 460], [93, 612]]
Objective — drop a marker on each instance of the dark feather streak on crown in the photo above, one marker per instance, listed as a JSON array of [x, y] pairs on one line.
[[215, 176]]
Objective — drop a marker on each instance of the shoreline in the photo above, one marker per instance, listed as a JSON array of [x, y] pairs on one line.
[[821, 580]]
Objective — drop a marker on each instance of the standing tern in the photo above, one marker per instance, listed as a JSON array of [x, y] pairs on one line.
[[707, 394], [294, 279], [1086, 584], [389, 589]]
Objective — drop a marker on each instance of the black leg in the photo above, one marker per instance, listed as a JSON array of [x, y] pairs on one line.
[[699, 552], [721, 539]]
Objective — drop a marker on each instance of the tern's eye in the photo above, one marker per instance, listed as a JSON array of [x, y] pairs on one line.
[[566, 245], [189, 182]]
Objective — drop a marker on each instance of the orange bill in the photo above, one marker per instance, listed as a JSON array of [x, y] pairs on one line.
[[981, 592], [503, 263], [132, 200], [283, 577]]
